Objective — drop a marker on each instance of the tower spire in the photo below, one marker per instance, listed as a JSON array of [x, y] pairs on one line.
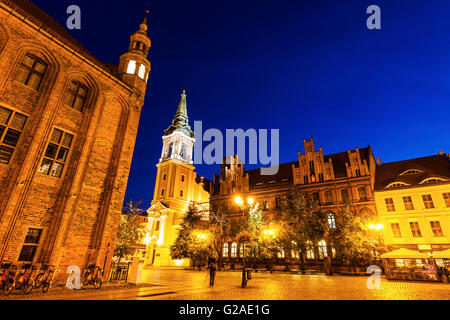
[[181, 121]]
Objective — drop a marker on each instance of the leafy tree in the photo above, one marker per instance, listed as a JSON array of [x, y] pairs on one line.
[[191, 240], [131, 230], [219, 229]]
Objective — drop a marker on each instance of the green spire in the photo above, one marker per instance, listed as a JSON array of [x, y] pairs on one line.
[[180, 121]]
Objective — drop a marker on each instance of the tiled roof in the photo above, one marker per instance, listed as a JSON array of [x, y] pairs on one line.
[[47, 23], [432, 166]]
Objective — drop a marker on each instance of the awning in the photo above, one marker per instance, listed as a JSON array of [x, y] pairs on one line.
[[442, 254], [404, 253]]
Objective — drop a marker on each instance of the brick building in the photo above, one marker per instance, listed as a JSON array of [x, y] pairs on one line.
[[334, 180], [68, 124]]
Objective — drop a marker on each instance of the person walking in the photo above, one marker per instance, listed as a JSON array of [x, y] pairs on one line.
[[212, 273]]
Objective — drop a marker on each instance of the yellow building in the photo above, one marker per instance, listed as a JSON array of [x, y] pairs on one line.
[[412, 198], [177, 187]]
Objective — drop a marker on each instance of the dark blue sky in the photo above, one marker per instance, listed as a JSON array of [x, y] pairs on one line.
[[309, 68]]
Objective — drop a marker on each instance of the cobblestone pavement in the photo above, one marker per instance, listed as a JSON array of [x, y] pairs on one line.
[[194, 285]]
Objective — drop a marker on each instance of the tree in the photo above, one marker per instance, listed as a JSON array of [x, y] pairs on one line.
[[219, 229], [191, 240], [349, 238], [131, 230]]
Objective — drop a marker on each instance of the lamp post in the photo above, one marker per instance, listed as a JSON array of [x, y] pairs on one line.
[[270, 233], [240, 202], [377, 228]]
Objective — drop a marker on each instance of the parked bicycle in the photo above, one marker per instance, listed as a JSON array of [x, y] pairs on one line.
[[25, 279], [7, 273], [93, 275], [44, 277]]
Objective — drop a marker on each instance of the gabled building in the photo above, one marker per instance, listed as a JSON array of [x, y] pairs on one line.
[[177, 187], [68, 125], [413, 203], [334, 180]]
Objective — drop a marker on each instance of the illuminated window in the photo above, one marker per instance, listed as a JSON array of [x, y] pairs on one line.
[[31, 71], [234, 250], [56, 154], [431, 180], [158, 223], [436, 228], [225, 250], [331, 220], [76, 96], [131, 67], [241, 251], [265, 204], [428, 201], [446, 198], [30, 245], [415, 229], [142, 72], [411, 171], [323, 249], [396, 230], [389, 204], [362, 193], [295, 255], [183, 151], [11, 127], [408, 203], [309, 250], [281, 254]]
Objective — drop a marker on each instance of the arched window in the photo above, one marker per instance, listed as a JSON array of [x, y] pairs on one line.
[[131, 67], [169, 152], [309, 250], [183, 151], [76, 95], [362, 193], [331, 220], [323, 249], [225, 250], [142, 72], [234, 250], [31, 71]]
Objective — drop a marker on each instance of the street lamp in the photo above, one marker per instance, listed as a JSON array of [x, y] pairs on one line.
[[377, 228], [240, 202]]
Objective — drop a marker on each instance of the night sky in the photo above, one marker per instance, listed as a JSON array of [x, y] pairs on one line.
[[309, 68]]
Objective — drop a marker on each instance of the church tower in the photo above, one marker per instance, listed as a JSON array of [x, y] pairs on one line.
[[177, 187]]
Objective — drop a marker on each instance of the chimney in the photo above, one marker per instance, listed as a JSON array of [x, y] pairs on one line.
[[378, 161], [441, 153]]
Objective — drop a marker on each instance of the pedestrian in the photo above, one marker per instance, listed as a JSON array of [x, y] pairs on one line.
[[212, 273]]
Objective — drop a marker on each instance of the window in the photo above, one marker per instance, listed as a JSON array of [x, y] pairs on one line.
[[295, 255], [30, 245], [446, 198], [428, 201], [315, 197], [436, 228], [31, 71], [396, 230], [265, 204], [431, 180], [309, 250], [408, 203], [277, 202], [169, 152], [358, 172], [305, 179], [76, 96], [281, 254], [328, 197], [411, 171], [396, 185], [415, 229], [362, 193], [311, 166], [164, 177], [320, 177], [55, 156], [181, 193], [131, 67], [225, 250], [182, 178], [142, 72], [323, 250], [183, 151], [158, 223], [389, 204], [234, 250], [344, 195], [11, 127], [331, 220], [162, 191]]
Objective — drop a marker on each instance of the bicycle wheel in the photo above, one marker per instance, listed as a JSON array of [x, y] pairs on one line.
[[98, 283], [38, 281], [86, 280], [27, 287], [19, 283], [8, 287]]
